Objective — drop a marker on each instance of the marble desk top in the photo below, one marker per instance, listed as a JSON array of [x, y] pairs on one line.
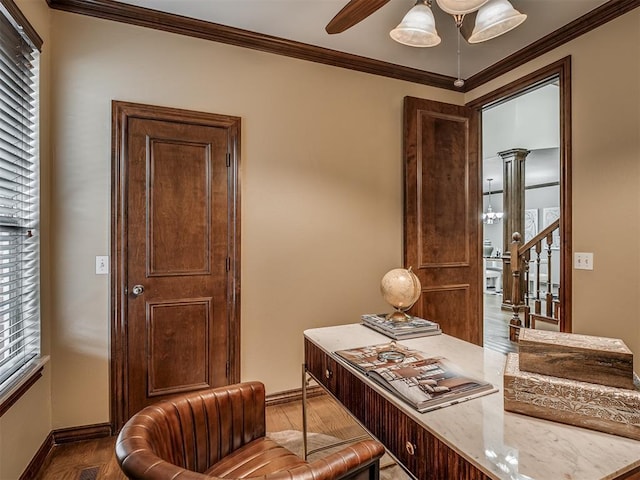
[[502, 444]]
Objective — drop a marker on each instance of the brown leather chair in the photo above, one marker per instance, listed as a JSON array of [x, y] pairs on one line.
[[220, 434]]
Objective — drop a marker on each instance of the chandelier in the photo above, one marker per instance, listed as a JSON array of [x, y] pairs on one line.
[[493, 18], [490, 217]]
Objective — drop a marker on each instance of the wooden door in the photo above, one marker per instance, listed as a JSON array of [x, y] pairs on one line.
[[176, 254], [442, 216]]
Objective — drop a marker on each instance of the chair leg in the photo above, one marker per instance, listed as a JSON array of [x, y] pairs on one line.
[[367, 472]]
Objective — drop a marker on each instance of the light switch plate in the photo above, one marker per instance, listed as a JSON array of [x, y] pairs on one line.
[[583, 261], [102, 264]]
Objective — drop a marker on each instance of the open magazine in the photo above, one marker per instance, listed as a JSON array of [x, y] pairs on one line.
[[426, 383]]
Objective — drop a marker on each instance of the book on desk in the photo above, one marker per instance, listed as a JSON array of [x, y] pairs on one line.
[[426, 383], [413, 328]]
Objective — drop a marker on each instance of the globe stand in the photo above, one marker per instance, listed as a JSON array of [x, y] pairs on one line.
[[398, 316]]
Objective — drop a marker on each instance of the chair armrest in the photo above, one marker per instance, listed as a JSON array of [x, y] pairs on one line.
[[155, 468], [337, 465]]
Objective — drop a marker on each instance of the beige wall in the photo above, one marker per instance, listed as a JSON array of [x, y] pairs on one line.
[[606, 175], [24, 427], [321, 176]]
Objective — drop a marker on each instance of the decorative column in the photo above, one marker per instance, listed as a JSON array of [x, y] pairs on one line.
[[513, 208]]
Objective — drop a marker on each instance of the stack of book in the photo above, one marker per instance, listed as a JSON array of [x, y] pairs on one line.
[[415, 327]]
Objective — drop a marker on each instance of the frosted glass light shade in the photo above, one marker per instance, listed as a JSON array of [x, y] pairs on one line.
[[494, 19], [460, 7], [417, 28]]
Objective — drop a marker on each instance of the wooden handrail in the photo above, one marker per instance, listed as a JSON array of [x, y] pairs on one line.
[[540, 236], [520, 257]]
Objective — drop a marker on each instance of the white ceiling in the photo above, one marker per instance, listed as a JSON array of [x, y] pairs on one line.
[[305, 20], [531, 122]]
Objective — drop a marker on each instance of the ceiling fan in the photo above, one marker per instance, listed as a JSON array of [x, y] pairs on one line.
[[353, 13], [417, 29]]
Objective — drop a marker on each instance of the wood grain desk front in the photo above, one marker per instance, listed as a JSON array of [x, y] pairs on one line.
[[472, 440]]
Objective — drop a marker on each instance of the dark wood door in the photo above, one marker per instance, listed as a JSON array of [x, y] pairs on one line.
[[442, 216], [179, 331]]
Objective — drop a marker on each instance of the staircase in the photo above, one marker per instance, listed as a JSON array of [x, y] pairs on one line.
[[532, 282]]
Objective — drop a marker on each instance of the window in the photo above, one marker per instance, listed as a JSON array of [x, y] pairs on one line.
[[19, 201]]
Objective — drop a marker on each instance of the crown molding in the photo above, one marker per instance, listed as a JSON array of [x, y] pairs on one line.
[[589, 21], [144, 17]]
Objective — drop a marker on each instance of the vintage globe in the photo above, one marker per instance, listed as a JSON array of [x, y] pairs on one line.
[[400, 288]]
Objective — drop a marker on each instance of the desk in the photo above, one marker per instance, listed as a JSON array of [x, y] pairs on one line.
[[473, 440]]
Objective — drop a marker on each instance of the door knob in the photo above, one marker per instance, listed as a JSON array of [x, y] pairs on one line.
[[137, 290]]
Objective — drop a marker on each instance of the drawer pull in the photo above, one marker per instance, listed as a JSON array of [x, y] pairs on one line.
[[411, 449], [328, 373]]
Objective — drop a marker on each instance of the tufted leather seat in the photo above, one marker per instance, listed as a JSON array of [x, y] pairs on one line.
[[220, 434]]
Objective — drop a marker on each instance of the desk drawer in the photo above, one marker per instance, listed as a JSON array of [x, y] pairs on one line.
[[426, 457], [319, 365]]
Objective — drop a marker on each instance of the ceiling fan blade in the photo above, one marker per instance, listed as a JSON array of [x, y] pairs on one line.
[[353, 12]]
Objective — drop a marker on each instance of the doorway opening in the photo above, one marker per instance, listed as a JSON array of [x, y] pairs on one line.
[[525, 167]]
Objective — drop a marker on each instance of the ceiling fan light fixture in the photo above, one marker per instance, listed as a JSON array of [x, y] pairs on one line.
[[494, 19], [417, 28], [460, 7]]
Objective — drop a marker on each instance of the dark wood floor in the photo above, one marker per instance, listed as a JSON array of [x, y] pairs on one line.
[[496, 325], [95, 459], [87, 460]]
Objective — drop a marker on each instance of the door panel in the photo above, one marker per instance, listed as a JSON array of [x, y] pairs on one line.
[[176, 237], [178, 183], [171, 326], [442, 222], [445, 302]]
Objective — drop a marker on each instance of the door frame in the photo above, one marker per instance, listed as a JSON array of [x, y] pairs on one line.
[[121, 113], [561, 69]]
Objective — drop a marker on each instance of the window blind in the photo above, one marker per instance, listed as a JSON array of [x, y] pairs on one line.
[[19, 202]]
